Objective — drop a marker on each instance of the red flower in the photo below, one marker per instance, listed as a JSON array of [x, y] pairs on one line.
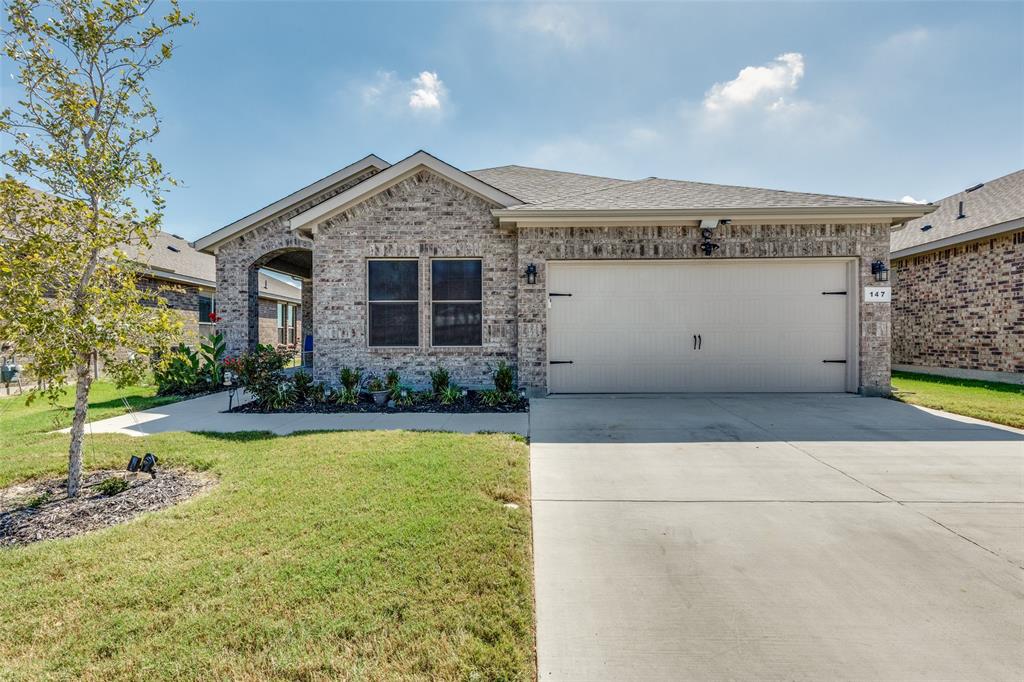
[[215, 318]]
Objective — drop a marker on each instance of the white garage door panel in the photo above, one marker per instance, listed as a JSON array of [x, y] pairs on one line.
[[764, 326]]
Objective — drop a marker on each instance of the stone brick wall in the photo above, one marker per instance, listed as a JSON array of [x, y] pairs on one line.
[[238, 262], [421, 217], [961, 307], [183, 298], [868, 242]]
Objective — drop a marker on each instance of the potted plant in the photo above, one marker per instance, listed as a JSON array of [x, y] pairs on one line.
[[377, 389]]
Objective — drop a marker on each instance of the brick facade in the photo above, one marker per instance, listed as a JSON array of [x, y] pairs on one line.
[[425, 217], [422, 217], [182, 298], [961, 307]]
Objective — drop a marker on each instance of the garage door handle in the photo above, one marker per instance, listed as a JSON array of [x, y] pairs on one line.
[[554, 294], [838, 362], [700, 341], [560, 362], [695, 342], [833, 293]]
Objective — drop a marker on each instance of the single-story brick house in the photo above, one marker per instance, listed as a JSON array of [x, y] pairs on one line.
[[958, 285], [582, 283]]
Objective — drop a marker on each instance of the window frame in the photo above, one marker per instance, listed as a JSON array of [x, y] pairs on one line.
[[206, 326], [433, 302], [370, 302]]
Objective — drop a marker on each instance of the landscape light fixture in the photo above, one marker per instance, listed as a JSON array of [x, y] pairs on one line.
[[143, 464], [229, 383], [531, 274], [880, 271]]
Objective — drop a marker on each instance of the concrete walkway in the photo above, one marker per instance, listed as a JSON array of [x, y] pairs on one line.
[[207, 414], [775, 537]]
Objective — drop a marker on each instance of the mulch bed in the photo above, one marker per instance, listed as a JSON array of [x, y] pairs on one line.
[[61, 517], [472, 404]]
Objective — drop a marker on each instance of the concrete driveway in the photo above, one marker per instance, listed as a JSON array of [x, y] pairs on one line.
[[769, 537]]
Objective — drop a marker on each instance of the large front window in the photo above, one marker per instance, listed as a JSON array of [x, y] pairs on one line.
[[456, 303], [393, 300]]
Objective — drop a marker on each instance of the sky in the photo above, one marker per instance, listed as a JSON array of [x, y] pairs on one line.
[[888, 100]]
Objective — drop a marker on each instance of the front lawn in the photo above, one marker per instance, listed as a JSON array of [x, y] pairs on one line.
[[343, 555], [992, 401]]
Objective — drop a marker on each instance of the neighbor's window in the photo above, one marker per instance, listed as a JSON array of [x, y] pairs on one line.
[[393, 293], [286, 323], [456, 300], [206, 308]]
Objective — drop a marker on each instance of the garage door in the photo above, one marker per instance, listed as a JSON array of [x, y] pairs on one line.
[[696, 326]]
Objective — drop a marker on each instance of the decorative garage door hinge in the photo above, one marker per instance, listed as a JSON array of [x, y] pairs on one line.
[[559, 362], [551, 293], [833, 293], [838, 362]]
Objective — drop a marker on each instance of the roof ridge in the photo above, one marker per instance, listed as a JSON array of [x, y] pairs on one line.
[[546, 170]]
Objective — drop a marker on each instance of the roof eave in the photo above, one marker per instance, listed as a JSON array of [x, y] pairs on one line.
[[209, 243], [894, 214]]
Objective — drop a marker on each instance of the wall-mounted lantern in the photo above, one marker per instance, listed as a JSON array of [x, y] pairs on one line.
[[880, 271], [531, 274]]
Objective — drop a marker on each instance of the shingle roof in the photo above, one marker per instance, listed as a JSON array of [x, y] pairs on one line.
[[658, 193], [995, 202], [536, 185], [171, 255]]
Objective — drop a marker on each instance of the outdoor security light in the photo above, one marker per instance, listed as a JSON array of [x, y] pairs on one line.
[[148, 462], [531, 274], [134, 463], [880, 271]]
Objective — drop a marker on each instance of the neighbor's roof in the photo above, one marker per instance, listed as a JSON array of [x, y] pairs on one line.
[[536, 185], [993, 207], [171, 257], [272, 287]]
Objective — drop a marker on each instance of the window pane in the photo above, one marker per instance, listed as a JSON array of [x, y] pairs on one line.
[[394, 324], [205, 308], [393, 280], [291, 316], [457, 324], [455, 280], [280, 314]]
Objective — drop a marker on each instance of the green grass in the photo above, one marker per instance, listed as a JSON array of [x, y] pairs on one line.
[[344, 555], [989, 400]]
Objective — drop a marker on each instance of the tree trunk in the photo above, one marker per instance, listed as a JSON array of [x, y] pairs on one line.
[[82, 383]]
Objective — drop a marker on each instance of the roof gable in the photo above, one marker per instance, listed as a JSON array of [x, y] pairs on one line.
[[391, 176], [210, 241]]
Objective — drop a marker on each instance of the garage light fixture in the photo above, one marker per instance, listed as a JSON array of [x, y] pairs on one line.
[[880, 271], [531, 274]]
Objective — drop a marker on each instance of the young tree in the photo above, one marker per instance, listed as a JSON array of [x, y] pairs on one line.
[[79, 130]]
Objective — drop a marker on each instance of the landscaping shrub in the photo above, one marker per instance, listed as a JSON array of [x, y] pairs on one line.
[[260, 371], [391, 379], [37, 501], [450, 395], [374, 384], [350, 377], [504, 378], [111, 486], [345, 396], [178, 371], [439, 380], [213, 351], [284, 395]]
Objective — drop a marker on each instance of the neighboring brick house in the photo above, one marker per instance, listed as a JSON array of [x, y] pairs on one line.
[[582, 283], [958, 289], [185, 277]]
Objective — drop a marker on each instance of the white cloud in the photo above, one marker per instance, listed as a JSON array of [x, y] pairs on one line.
[[425, 93], [375, 91], [566, 23], [765, 85], [428, 92], [907, 199]]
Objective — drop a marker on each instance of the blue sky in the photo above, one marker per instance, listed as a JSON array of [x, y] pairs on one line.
[[883, 100]]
